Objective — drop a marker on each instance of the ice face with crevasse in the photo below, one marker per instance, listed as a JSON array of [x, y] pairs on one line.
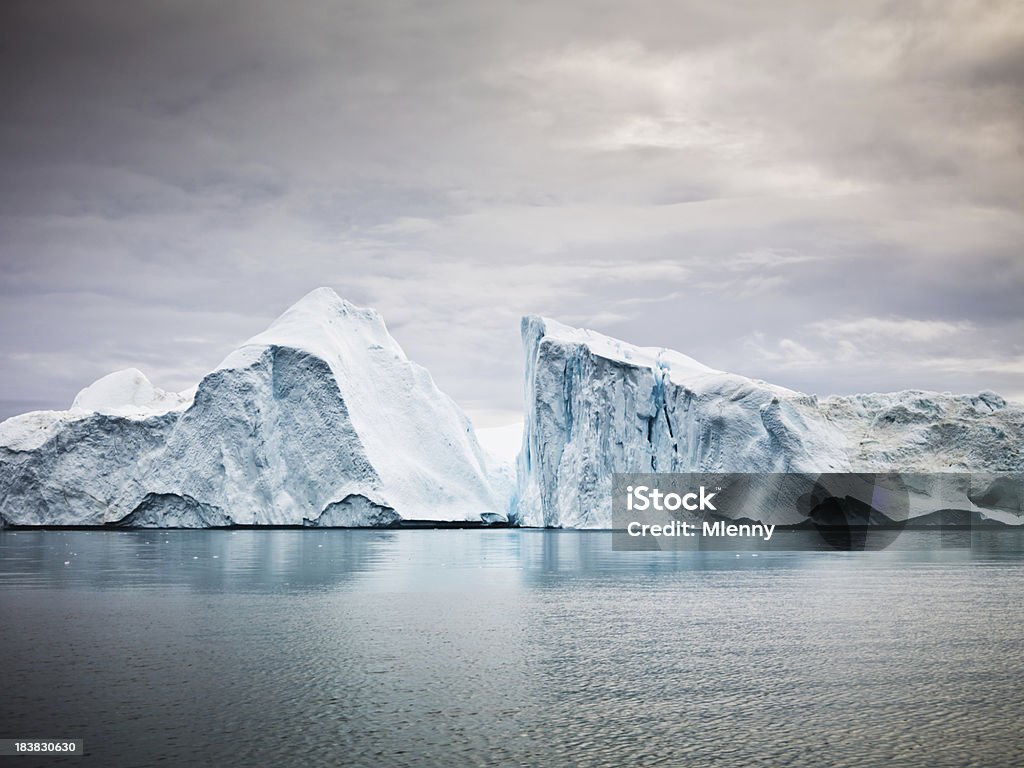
[[596, 406]]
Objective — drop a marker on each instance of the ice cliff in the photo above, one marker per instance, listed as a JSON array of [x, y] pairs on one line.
[[596, 406], [320, 420]]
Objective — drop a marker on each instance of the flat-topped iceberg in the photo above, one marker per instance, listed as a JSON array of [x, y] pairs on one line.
[[320, 420], [596, 406]]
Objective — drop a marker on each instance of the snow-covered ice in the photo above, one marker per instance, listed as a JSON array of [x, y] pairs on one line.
[[501, 448], [129, 393], [319, 420], [596, 406]]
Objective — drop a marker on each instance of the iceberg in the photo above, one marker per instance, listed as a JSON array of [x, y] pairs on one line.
[[596, 406], [321, 420], [501, 449]]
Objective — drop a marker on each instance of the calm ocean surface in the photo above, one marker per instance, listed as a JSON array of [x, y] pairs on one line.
[[506, 647]]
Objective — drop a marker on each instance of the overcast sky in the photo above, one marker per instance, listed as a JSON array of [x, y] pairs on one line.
[[828, 196]]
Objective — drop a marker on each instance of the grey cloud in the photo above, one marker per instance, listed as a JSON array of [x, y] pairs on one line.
[[174, 174]]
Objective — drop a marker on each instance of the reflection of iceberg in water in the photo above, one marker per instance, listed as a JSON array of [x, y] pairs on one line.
[[213, 561], [409, 561], [263, 561]]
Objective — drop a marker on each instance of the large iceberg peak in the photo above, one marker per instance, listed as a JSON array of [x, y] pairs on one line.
[[328, 326], [323, 306], [319, 420]]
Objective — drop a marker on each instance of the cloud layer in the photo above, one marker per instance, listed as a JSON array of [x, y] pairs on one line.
[[825, 195]]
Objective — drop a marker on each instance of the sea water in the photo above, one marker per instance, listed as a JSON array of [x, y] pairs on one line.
[[510, 647]]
